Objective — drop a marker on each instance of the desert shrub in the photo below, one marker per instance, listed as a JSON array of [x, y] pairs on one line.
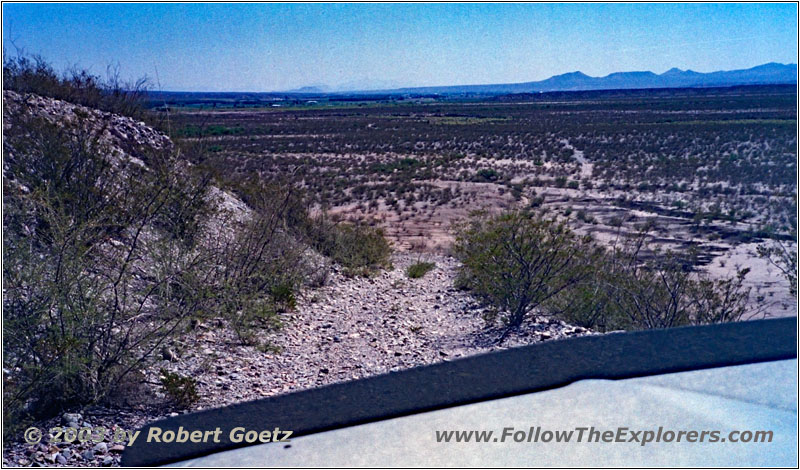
[[718, 300], [662, 291], [637, 286], [283, 295], [536, 201], [92, 284], [182, 390], [517, 261], [419, 269], [262, 265], [583, 216], [520, 263], [359, 248], [782, 255], [105, 259], [32, 74], [487, 175], [586, 304]]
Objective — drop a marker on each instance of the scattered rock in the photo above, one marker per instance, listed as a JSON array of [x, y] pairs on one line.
[[71, 419], [168, 354]]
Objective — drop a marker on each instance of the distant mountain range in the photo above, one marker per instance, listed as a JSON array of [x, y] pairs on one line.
[[355, 85], [771, 73]]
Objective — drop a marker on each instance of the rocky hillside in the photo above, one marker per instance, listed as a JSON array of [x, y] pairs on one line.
[[343, 328], [126, 140]]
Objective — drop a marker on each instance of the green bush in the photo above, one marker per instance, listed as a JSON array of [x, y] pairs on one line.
[[25, 74], [283, 294], [781, 255], [487, 175], [419, 269], [637, 286], [101, 264], [359, 248], [104, 263], [520, 263], [182, 390], [263, 265], [517, 261]]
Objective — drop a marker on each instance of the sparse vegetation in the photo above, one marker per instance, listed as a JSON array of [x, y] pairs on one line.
[[395, 164], [518, 261], [32, 74], [183, 390], [419, 269], [784, 258], [522, 264], [781, 255], [108, 257], [260, 264], [102, 263], [636, 285], [361, 249]]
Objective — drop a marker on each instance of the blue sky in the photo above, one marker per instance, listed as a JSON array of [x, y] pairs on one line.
[[265, 47]]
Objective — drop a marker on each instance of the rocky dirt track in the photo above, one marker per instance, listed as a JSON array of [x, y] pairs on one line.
[[349, 329]]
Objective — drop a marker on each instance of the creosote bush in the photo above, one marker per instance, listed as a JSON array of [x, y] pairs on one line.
[[782, 255], [358, 247], [261, 265], [183, 390], [106, 259], [419, 269], [32, 74], [517, 261], [523, 264], [101, 264], [638, 286]]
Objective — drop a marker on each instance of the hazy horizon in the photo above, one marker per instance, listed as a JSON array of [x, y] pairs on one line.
[[278, 47]]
